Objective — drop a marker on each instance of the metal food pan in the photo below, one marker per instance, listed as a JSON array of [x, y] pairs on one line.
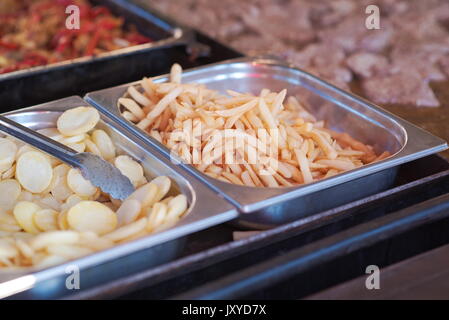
[[267, 207], [206, 209], [82, 74]]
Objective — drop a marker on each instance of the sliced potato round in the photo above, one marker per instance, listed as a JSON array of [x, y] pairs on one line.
[[69, 251], [104, 144], [129, 168], [8, 174], [9, 193], [156, 215], [49, 202], [92, 216], [146, 194], [61, 190], [24, 248], [52, 133], [78, 147], [46, 219], [78, 121], [24, 212], [163, 184], [127, 230], [34, 171], [8, 151], [176, 207], [74, 139], [45, 239], [79, 185], [63, 223], [7, 249], [92, 147], [25, 196], [8, 222], [71, 201], [129, 211]]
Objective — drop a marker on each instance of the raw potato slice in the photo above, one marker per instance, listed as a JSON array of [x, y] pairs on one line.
[[92, 216], [54, 237], [163, 183], [49, 202], [8, 174], [127, 230], [24, 248], [68, 251], [8, 150], [92, 147], [74, 139], [46, 219], [129, 211], [52, 133], [79, 185], [146, 194], [63, 224], [34, 171], [78, 147], [156, 215], [71, 201], [61, 190], [130, 168], [25, 196], [9, 193], [8, 222], [24, 212], [104, 144], [176, 207], [7, 249], [92, 240], [78, 121]]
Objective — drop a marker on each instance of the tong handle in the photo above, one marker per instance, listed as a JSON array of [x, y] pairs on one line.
[[39, 141]]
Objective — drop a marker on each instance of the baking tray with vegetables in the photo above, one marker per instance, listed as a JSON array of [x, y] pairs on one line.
[[115, 37]]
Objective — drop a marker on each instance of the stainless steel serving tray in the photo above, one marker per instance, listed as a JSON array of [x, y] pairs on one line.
[[206, 209], [266, 207], [164, 32]]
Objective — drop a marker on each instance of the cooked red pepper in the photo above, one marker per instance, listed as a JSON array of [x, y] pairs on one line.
[[8, 45], [93, 43], [40, 24]]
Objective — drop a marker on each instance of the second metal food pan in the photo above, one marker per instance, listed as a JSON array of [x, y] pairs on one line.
[[90, 73], [266, 207], [206, 209]]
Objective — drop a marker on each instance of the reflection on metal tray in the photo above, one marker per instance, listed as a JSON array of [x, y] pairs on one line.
[[73, 76], [266, 207], [211, 255], [206, 210]]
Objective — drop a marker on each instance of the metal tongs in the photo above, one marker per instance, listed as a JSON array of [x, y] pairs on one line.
[[98, 171]]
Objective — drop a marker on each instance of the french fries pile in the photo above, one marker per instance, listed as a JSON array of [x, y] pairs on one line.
[[50, 214], [193, 122]]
